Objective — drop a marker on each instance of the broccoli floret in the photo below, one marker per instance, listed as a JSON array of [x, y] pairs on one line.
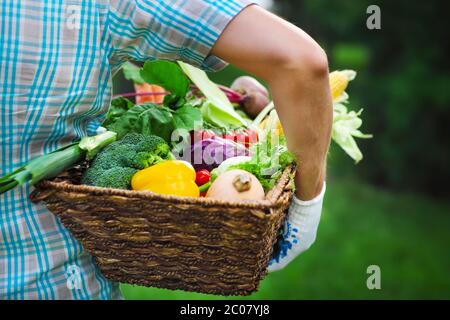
[[132, 138], [144, 160], [115, 165], [117, 155], [151, 150], [116, 178], [154, 144]]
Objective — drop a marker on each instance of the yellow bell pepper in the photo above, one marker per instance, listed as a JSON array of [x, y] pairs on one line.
[[169, 177]]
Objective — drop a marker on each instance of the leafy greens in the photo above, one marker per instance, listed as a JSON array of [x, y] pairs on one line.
[[217, 109]]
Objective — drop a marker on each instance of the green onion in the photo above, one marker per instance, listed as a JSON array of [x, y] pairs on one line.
[[50, 165]]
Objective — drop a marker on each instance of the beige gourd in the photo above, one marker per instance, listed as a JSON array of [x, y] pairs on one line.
[[236, 185]]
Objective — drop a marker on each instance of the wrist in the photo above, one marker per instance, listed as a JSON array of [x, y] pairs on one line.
[[309, 181]]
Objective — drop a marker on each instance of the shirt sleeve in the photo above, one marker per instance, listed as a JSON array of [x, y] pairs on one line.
[[170, 30]]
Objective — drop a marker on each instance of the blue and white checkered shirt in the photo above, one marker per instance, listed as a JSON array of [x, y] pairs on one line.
[[56, 61]]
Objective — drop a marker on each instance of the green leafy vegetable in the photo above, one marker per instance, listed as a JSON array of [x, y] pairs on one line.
[[270, 157], [151, 119], [127, 121], [132, 72], [155, 120], [117, 109], [188, 118], [217, 110], [167, 75]]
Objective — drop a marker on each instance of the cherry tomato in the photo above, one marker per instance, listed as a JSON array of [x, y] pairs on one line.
[[247, 137], [252, 136], [202, 177]]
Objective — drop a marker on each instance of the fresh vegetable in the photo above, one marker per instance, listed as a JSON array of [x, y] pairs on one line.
[[246, 84], [269, 159], [272, 124], [236, 185], [339, 81], [202, 177], [230, 162], [44, 167], [115, 178], [256, 96], [50, 165], [169, 177], [260, 118], [151, 119], [217, 109], [93, 145], [155, 94], [117, 163], [232, 95], [210, 153], [132, 72], [346, 126], [119, 106], [203, 134], [247, 137], [346, 123], [169, 76], [204, 188]]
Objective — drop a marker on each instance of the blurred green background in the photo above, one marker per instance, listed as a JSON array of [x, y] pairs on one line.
[[392, 209]]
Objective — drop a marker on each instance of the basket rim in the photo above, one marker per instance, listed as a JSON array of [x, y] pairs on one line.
[[274, 198]]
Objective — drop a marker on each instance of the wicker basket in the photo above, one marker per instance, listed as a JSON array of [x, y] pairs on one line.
[[192, 244]]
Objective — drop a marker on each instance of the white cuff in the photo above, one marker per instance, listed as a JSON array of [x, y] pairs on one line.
[[300, 230]]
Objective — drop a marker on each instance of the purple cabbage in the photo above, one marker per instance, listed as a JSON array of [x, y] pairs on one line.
[[210, 153]]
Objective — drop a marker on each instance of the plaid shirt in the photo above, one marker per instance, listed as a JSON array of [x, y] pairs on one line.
[[56, 61]]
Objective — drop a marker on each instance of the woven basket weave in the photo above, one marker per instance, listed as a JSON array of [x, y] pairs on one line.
[[192, 244]]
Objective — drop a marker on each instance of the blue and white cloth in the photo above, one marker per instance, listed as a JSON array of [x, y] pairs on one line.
[[56, 61]]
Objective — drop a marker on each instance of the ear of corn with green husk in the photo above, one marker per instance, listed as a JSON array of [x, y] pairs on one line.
[[339, 81], [346, 123], [50, 165]]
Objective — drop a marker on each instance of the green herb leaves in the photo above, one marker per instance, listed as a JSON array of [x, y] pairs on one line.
[[151, 119], [132, 72], [167, 75], [217, 110]]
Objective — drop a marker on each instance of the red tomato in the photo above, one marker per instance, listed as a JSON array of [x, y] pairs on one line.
[[202, 177]]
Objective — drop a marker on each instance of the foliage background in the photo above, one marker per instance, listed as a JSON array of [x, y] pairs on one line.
[[393, 208]]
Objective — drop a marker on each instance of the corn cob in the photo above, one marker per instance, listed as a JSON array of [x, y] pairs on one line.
[[339, 81]]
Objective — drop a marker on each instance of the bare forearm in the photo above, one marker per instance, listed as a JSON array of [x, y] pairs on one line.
[[304, 107], [296, 70]]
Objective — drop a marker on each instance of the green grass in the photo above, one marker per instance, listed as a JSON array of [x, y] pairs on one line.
[[407, 235]]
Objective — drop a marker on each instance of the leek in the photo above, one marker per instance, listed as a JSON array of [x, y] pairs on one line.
[[50, 165]]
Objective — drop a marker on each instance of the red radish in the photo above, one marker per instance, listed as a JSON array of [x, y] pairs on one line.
[[256, 96], [246, 85]]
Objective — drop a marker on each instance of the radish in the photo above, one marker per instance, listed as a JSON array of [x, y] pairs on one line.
[[256, 96]]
